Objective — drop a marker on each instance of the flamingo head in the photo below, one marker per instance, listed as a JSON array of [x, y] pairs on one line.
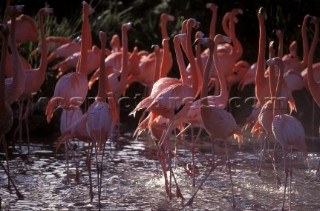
[[180, 38], [275, 61], [212, 7], [166, 17], [45, 11], [127, 26], [207, 42], [219, 38]]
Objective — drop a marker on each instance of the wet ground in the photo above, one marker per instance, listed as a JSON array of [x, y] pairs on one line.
[[133, 179]]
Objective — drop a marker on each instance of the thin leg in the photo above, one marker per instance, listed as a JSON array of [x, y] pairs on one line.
[[190, 201], [262, 153], [19, 195], [285, 182], [88, 162], [229, 167]]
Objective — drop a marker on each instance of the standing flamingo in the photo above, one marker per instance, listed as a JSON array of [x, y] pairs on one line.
[[287, 130], [6, 115], [218, 123], [71, 89], [34, 77], [96, 125]]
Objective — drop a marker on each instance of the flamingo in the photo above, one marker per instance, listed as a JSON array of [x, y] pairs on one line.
[[96, 125], [71, 89], [218, 123], [53, 42], [287, 130], [65, 50], [6, 114], [34, 77], [14, 86], [71, 61], [145, 73]]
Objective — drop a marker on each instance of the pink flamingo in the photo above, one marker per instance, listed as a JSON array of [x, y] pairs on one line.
[[34, 77], [6, 114], [65, 50], [287, 130], [223, 125], [71, 89], [146, 64], [14, 86], [53, 42], [71, 61], [96, 125]]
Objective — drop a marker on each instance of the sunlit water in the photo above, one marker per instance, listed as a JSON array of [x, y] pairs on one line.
[[133, 179]]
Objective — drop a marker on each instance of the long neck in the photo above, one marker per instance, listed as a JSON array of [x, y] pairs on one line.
[[280, 46], [198, 56], [166, 51], [2, 70], [164, 32], [225, 21], [44, 47], [85, 41], [204, 88], [312, 83], [305, 43], [124, 71], [213, 21], [222, 81], [237, 47], [180, 60], [272, 75], [260, 79], [157, 65], [102, 79], [276, 100], [191, 59]]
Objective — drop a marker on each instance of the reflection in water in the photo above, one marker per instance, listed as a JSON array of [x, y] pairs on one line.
[[132, 179]]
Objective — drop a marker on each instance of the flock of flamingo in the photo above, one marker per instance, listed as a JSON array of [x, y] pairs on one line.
[[173, 103]]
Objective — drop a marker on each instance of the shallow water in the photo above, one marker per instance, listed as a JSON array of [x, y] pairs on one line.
[[133, 179]]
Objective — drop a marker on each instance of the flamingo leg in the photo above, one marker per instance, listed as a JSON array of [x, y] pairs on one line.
[[190, 201], [229, 168], [286, 179], [262, 153], [273, 157], [19, 195], [88, 162]]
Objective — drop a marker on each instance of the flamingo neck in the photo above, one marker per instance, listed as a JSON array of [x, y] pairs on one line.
[[85, 41], [156, 75], [312, 83], [213, 22], [204, 88], [237, 47], [222, 81], [180, 61], [191, 59], [305, 44], [272, 75], [165, 55], [280, 46], [164, 32], [125, 58], [276, 101], [260, 79], [44, 48], [102, 79]]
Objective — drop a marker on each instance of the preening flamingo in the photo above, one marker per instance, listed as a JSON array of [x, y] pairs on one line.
[[71, 89], [218, 123], [6, 114], [287, 130]]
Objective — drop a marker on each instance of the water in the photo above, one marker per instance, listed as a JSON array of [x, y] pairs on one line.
[[133, 179]]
